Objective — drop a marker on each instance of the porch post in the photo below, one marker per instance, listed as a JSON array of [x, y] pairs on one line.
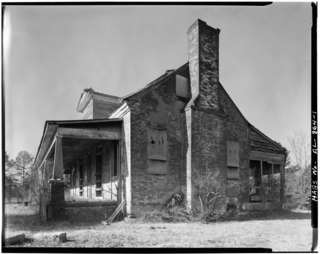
[[272, 187], [263, 196], [57, 184], [282, 183], [58, 159], [45, 196]]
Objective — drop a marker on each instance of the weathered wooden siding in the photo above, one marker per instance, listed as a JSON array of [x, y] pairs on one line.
[[101, 109], [260, 143]]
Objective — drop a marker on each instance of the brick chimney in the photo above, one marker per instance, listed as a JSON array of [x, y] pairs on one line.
[[203, 54]]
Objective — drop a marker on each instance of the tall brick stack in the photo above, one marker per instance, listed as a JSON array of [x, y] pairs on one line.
[[211, 117]]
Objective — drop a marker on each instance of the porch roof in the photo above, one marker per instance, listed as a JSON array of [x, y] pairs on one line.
[[51, 129]]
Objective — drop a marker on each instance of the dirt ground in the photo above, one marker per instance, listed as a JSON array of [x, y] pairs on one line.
[[288, 231]]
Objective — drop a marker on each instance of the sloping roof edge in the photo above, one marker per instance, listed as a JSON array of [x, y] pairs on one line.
[[249, 124], [265, 136], [87, 94], [160, 79]]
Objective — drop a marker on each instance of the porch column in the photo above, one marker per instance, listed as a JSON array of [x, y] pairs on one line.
[[58, 159], [272, 183], [282, 183], [261, 180], [57, 184], [45, 197]]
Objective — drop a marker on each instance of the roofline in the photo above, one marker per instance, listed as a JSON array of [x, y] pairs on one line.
[[265, 136], [224, 90], [43, 135], [86, 96], [84, 121], [162, 78], [249, 124]]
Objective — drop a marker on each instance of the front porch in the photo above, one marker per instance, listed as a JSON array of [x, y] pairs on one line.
[[266, 181], [80, 169]]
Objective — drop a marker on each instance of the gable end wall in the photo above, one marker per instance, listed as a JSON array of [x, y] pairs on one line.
[[159, 108]]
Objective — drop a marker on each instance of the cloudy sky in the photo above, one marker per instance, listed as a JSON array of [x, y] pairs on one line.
[[53, 52]]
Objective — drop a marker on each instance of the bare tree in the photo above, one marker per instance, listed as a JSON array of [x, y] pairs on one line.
[[300, 149], [23, 162], [300, 157]]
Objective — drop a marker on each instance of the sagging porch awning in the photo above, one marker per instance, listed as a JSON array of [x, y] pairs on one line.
[[62, 141]]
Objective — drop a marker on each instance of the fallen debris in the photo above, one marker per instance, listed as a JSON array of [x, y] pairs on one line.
[[15, 239], [62, 237], [177, 199], [115, 213]]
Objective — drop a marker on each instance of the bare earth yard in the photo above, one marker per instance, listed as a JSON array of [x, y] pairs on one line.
[[290, 231]]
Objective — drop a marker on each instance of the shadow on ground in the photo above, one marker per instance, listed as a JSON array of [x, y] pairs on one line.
[[277, 215], [33, 223]]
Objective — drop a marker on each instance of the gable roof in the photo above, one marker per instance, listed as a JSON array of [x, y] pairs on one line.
[[89, 93], [169, 74]]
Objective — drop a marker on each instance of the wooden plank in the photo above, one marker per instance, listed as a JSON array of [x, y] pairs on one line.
[[157, 144], [48, 152], [269, 157], [89, 134], [91, 203], [259, 141], [115, 213], [232, 154]]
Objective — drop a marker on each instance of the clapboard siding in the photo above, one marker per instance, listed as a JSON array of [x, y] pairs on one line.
[[102, 109], [259, 143]]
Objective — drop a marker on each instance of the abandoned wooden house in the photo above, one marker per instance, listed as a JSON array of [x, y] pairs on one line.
[[140, 149]]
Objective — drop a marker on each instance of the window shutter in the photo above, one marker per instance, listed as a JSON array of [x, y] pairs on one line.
[[232, 154]]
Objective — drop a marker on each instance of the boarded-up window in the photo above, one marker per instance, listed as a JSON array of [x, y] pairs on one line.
[[157, 144], [232, 154], [157, 151], [157, 167], [233, 173]]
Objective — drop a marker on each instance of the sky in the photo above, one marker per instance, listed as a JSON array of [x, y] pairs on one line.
[[52, 53]]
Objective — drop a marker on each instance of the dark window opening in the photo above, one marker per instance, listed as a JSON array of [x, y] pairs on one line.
[[98, 174], [81, 179], [255, 181], [264, 180], [98, 193], [89, 164], [115, 159]]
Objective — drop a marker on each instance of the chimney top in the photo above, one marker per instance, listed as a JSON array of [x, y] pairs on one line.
[[201, 23]]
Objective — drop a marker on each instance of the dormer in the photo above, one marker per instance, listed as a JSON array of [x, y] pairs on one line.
[[94, 105]]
